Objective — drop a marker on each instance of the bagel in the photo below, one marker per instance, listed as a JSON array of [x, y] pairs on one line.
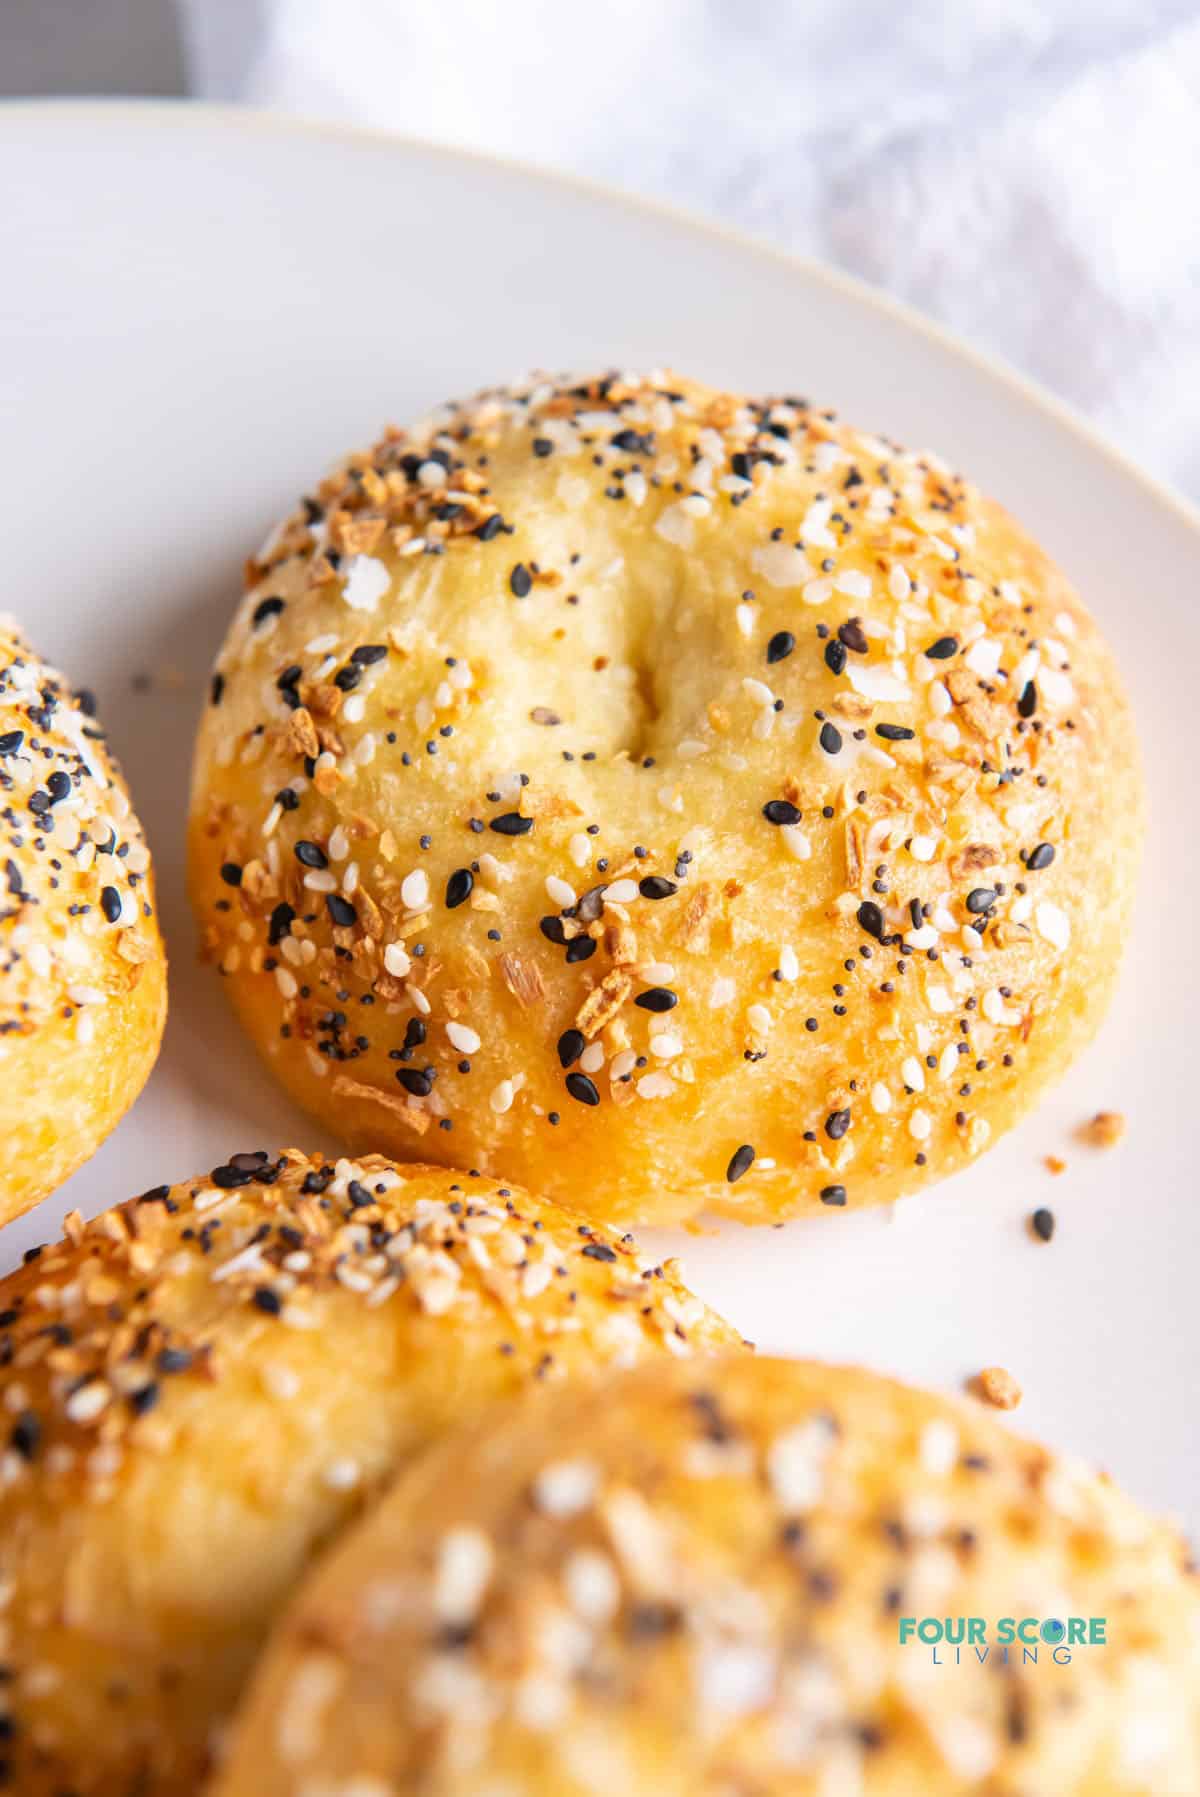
[[674, 801], [83, 978], [711, 1579], [199, 1387]]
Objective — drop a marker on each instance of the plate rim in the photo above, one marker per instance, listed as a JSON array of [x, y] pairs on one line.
[[178, 114]]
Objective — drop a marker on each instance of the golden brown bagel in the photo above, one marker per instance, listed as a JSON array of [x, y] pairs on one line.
[[83, 979], [743, 810], [199, 1387], [692, 1585]]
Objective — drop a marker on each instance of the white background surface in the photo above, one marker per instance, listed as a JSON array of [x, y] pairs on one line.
[[208, 309], [1021, 170]]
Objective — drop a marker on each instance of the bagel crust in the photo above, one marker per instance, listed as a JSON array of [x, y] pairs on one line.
[[675, 801], [695, 1585], [198, 1388], [83, 977]]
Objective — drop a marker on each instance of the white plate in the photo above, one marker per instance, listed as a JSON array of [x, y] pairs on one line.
[[202, 308]]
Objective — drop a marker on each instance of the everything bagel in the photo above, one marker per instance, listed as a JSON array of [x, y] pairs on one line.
[[673, 800], [198, 1388]]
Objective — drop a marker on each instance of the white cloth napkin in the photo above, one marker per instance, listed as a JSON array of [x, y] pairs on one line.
[[1026, 173]]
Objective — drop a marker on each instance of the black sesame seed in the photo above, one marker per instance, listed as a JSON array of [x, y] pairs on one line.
[[542, 446], [780, 646], [831, 738], [11, 741], [657, 998], [26, 1435], [981, 899], [1027, 703], [266, 608], [309, 855], [835, 656], [571, 1045], [1043, 1224], [229, 1177], [870, 919], [491, 527], [895, 733], [341, 911], [521, 581], [740, 1161], [854, 636], [269, 1302], [416, 1080], [833, 1194], [368, 653], [459, 887], [580, 1087], [580, 948], [1040, 857], [110, 898], [511, 823], [282, 919], [598, 1250], [943, 649], [836, 1125], [780, 811], [654, 886]]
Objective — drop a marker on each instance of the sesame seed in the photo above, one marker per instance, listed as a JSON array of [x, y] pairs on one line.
[[740, 1162]]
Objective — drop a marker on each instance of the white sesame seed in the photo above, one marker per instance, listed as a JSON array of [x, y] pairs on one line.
[[913, 1073], [396, 960], [414, 890], [919, 1126], [342, 1475], [854, 584], [286, 982], [339, 844], [938, 1448], [85, 1404], [465, 1040], [881, 1098], [789, 965], [621, 892], [502, 1096], [781, 564], [723, 992], [464, 1568], [559, 892], [565, 1487], [1053, 923], [592, 1586], [796, 1464]]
